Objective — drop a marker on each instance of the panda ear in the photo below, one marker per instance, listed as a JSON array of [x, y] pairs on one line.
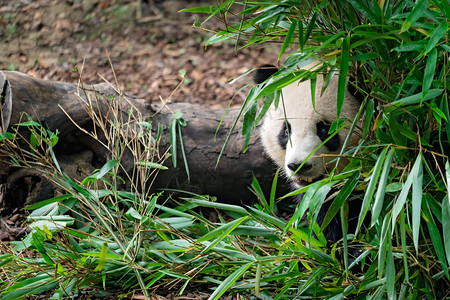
[[264, 72]]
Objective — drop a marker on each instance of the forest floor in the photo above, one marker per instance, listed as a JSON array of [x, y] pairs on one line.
[[48, 39]]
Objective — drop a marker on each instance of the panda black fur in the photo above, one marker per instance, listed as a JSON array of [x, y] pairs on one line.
[[289, 139]]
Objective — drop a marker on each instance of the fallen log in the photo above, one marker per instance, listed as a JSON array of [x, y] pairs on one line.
[[62, 106]]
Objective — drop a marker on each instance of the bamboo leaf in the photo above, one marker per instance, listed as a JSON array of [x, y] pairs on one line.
[[222, 231], [343, 74], [267, 218], [446, 214], [438, 113], [199, 9], [430, 70], [446, 226], [40, 247], [417, 98], [404, 243], [183, 153], [414, 15], [267, 101], [30, 286], [309, 28], [288, 38], [228, 282], [273, 191], [368, 117], [215, 12], [300, 35], [151, 164], [447, 176], [29, 123], [316, 203], [313, 81], [436, 35], [401, 199], [360, 6], [390, 272], [371, 189], [385, 239], [102, 258], [411, 46], [346, 190], [435, 237], [106, 168], [223, 206], [248, 123], [417, 183], [379, 197], [48, 201], [173, 141], [304, 204]]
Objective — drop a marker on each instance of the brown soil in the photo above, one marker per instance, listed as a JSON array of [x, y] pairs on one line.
[[48, 39]]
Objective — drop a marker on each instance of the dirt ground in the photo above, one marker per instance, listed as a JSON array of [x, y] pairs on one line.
[[49, 38]]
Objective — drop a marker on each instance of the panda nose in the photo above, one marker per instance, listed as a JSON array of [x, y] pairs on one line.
[[294, 166]]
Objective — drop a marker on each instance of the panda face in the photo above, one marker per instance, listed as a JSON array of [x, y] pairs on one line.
[[291, 132]]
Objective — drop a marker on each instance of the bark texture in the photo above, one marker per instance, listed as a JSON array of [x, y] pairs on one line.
[[45, 102]]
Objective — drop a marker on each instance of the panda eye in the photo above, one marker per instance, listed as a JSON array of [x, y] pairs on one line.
[[283, 136], [323, 127]]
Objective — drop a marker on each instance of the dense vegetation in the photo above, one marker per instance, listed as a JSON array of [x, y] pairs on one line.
[[396, 54]]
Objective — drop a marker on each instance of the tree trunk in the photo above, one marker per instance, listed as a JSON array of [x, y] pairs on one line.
[[78, 154]]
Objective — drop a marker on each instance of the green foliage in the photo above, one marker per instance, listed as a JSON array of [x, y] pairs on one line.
[[396, 55], [100, 235], [97, 235]]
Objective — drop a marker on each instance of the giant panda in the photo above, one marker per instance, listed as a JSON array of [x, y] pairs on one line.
[[293, 130]]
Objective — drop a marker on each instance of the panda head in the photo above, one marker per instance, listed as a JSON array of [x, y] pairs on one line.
[[293, 130]]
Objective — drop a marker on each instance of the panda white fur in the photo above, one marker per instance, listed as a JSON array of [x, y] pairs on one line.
[[289, 139]]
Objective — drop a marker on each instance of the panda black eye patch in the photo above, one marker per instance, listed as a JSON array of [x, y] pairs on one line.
[[283, 136], [323, 127]]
